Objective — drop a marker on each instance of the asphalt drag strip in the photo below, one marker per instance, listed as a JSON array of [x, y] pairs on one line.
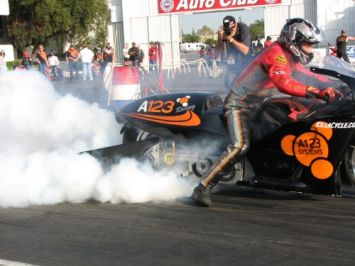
[[244, 226]]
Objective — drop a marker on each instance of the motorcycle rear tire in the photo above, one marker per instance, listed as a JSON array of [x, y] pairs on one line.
[[199, 169]]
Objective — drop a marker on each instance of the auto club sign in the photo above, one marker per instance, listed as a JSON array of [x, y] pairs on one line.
[[196, 6]]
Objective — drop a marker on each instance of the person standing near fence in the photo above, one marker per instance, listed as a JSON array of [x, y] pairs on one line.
[[209, 56], [72, 57], [40, 57], [26, 60], [259, 47], [341, 44], [202, 52], [3, 67], [54, 63], [86, 56], [152, 52], [134, 54], [107, 55]]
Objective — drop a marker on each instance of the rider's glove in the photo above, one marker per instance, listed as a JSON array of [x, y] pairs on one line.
[[328, 94], [312, 92]]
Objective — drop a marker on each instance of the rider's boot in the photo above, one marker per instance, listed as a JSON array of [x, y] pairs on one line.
[[201, 193], [240, 139]]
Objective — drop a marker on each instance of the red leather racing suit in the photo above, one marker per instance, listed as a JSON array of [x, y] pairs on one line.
[[274, 72]]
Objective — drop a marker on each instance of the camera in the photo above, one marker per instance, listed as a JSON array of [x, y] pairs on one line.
[[226, 28]]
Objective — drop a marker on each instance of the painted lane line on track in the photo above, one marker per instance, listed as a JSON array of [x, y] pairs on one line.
[[14, 263]]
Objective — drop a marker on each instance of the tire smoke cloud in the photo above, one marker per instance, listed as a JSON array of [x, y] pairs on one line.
[[42, 133]]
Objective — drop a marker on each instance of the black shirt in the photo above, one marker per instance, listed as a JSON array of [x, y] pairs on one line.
[[108, 54], [243, 35], [341, 43], [133, 53]]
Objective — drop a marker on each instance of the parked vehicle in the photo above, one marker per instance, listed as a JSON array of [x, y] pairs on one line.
[[191, 47]]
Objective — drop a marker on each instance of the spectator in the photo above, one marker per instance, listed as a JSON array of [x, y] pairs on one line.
[[134, 54], [341, 44], [107, 54], [40, 57], [3, 66], [86, 56], [53, 62], [26, 60], [98, 57], [259, 47], [234, 41], [209, 56], [268, 42], [202, 52], [72, 57], [253, 49], [152, 52], [97, 61]]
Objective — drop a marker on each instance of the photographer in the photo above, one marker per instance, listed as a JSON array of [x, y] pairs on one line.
[[341, 43], [233, 46]]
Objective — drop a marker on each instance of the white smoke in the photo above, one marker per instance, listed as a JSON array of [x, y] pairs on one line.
[[41, 134]]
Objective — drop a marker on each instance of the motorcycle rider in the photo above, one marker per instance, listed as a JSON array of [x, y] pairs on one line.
[[278, 69]]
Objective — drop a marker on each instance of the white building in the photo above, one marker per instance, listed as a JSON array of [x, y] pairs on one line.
[[140, 21], [8, 48]]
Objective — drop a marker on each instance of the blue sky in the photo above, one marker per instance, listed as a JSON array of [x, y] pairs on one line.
[[214, 20]]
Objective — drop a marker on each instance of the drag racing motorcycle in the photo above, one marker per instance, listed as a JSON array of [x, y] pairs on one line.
[[187, 131]]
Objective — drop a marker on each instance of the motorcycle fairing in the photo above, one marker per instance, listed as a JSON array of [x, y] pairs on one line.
[[177, 112], [306, 151]]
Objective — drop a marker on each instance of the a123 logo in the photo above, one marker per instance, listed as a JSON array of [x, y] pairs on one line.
[[311, 149]]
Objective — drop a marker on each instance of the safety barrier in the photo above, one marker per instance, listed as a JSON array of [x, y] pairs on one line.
[[185, 66], [125, 86], [123, 82], [203, 68], [215, 71]]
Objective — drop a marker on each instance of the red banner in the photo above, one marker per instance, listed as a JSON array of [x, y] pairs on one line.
[[196, 6]]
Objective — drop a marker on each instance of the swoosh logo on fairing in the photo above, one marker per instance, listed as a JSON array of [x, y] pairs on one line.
[[187, 119]]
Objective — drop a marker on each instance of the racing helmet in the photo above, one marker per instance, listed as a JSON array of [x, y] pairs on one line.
[[294, 33]]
